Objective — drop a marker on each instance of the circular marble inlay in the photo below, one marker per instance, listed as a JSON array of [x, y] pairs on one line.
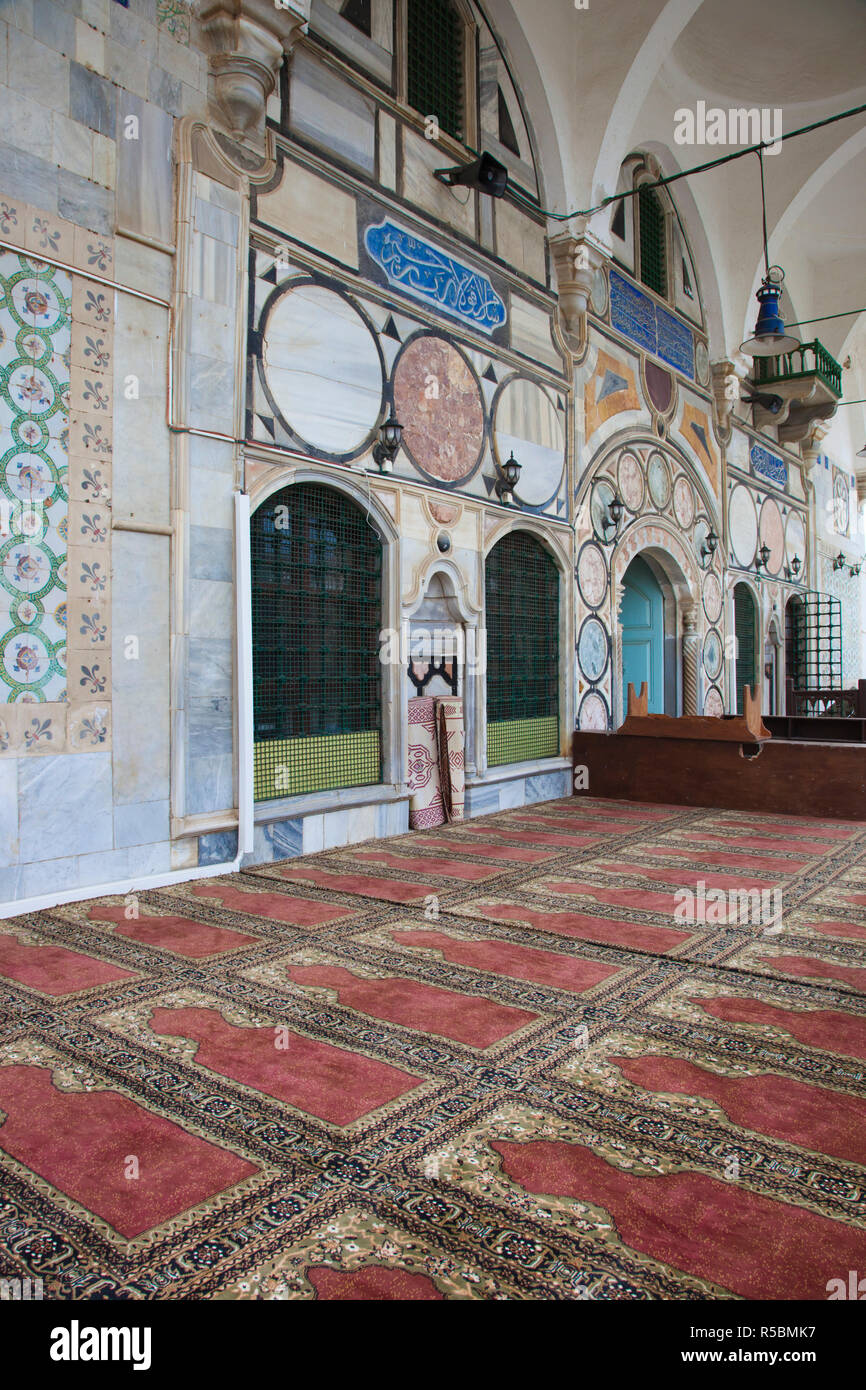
[[659, 481], [713, 703], [773, 534], [795, 541], [593, 647], [323, 370], [592, 574], [702, 362], [438, 403], [603, 493], [712, 654], [841, 505], [743, 525], [712, 597], [528, 424], [592, 715], [598, 293], [630, 478], [684, 502]]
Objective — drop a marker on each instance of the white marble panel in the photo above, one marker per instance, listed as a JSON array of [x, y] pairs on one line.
[[323, 368], [528, 422], [65, 805], [328, 111]]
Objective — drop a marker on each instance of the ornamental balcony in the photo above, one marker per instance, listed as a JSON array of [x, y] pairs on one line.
[[808, 380]]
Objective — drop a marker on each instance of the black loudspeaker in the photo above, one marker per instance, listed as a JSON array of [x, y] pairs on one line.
[[485, 174]]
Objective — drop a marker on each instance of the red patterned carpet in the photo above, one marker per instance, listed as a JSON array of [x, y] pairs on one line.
[[490, 1061]]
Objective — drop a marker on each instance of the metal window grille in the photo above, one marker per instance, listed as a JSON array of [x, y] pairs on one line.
[[316, 616], [522, 596], [435, 62], [653, 241], [813, 650], [744, 629]]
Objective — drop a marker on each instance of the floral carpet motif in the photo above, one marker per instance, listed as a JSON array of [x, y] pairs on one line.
[[495, 1061]]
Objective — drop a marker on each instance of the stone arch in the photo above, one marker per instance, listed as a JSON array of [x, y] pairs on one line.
[[660, 546], [274, 480]]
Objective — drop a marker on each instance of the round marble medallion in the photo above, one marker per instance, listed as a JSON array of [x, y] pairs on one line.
[[772, 533], [323, 370], [438, 402], [592, 574], [714, 705], [743, 525], [684, 502], [600, 498], [598, 295], [702, 362], [528, 424], [795, 541], [593, 648], [841, 505], [712, 597], [659, 481], [713, 654], [630, 478], [593, 715]]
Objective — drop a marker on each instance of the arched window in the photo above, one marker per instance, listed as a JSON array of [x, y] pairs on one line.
[[745, 628], [316, 618], [522, 598], [434, 63], [652, 229]]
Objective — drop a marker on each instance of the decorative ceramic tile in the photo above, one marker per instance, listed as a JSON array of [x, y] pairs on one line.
[[93, 304], [88, 727], [90, 674], [43, 729], [35, 332], [52, 236], [13, 219], [88, 575], [90, 440], [88, 627], [93, 349], [90, 393], [89, 526], [173, 16], [93, 253]]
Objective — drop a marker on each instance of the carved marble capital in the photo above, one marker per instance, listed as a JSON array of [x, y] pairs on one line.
[[726, 377], [247, 39], [576, 259]]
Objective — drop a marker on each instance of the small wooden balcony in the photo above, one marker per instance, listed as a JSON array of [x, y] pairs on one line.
[[809, 381]]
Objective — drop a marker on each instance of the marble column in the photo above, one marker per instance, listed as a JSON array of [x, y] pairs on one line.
[[691, 652]]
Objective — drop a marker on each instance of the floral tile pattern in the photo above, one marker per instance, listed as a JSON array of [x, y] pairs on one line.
[[56, 441], [173, 16], [35, 339]]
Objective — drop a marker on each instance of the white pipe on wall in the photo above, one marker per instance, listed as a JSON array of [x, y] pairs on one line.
[[244, 630]]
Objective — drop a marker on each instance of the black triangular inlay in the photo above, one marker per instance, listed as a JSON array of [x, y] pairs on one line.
[[489, 483], [560, 505], [268, 422], [270, 274], [507, 133], [489, 375], [390, 330], [617, 225], [702, 436], [357, 12]]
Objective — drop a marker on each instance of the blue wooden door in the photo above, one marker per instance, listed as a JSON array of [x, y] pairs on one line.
[[643, 633]]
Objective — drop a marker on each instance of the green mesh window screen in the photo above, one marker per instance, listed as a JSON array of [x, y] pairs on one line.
[[653, 241], [434, 43], [744, 628], [522, 595], [316, 615]]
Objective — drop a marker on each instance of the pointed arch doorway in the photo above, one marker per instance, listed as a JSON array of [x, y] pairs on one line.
[[642, 627]]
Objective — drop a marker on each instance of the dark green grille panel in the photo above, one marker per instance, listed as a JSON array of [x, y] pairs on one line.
[[435, 63], [522, 595], [653, 242], [316, 613], [744, 628]]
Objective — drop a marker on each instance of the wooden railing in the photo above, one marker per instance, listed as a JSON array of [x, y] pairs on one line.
[[826, 703], [807, 359]]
